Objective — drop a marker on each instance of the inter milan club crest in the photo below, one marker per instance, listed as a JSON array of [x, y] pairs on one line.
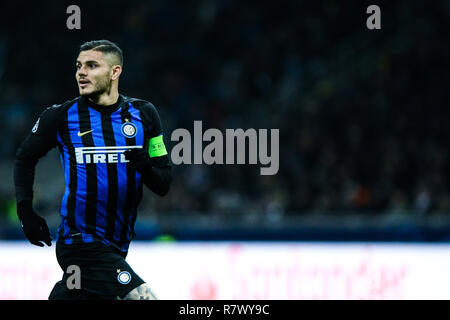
[[123, 277], [129, 129]]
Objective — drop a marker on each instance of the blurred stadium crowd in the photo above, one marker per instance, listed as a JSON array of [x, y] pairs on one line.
[[362, 114]]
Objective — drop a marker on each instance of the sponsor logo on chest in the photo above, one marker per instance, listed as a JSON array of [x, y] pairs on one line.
[[87, 155]]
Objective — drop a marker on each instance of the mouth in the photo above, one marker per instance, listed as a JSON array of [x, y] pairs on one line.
[[83, 83]]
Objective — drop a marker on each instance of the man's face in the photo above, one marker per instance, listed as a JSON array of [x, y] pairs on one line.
[[94, 73]]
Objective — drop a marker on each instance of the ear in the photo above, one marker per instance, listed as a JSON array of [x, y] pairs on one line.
[[116, 71]]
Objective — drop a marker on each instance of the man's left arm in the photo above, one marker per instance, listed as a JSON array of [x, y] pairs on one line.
[[153, 164]]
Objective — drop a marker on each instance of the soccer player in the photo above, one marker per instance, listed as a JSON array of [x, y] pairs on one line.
[[110, 145]]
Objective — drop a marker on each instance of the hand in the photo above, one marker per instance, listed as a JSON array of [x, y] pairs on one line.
[[139, 158], [34, 227]]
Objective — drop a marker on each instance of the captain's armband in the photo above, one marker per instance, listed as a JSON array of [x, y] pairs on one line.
[[156, 147]]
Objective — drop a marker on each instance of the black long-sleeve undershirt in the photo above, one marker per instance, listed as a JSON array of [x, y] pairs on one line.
[[28, 154], [157, 179]]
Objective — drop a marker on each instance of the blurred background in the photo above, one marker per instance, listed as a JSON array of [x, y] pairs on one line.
[[362, 113]]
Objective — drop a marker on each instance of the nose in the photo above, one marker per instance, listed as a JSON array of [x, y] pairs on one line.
[[81, 72]]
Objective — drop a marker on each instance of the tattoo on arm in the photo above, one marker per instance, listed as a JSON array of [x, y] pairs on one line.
[[143, 292]]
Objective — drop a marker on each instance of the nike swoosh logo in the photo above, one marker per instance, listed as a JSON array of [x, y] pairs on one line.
[[82, 134]]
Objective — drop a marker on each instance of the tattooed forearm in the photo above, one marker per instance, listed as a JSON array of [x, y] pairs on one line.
[[143, 292]]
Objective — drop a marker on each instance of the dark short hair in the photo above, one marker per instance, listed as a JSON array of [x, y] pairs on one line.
[[104, 46]]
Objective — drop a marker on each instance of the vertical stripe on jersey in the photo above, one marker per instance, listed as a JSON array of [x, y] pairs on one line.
[[91, 173], [64, 230], [120, 140], [101, 174], [80, 169], [131, 183], [111, 205], [139, 139], [70, 173]]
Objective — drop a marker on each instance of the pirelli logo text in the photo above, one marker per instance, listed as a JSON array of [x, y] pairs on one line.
[[89, 155]]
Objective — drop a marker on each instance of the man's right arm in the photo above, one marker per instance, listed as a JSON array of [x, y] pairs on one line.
[[39, 141], [36, 145]]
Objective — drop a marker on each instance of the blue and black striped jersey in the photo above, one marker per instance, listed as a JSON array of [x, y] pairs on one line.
[[102, 191]]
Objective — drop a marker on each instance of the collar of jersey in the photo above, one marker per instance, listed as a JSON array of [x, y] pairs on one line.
[[103, 109]]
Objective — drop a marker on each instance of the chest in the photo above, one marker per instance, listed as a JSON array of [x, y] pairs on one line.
[[90, 128]]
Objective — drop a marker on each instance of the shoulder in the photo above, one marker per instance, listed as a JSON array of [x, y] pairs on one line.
[[146, 108], [51, 117], [56, 110], [149, 114], [140, 104]]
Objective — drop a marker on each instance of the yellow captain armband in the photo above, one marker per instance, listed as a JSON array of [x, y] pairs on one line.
[[156, 147]]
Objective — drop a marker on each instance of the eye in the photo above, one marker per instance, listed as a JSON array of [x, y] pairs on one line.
[[92, 66]]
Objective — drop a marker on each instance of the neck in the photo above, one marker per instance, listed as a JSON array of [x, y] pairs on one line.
[[105, 99]]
